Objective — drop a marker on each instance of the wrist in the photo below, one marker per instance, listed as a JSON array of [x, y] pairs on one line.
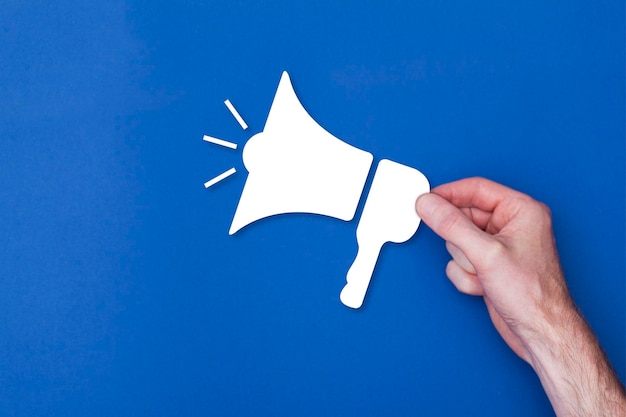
[[552, 342]]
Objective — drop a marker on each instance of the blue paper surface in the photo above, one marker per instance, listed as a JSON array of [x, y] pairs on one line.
[[121, 292]]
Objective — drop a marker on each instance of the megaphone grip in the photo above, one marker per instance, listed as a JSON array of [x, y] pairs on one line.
[[359, 275]]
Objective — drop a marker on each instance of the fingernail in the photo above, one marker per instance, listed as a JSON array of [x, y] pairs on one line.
[[426, 205]]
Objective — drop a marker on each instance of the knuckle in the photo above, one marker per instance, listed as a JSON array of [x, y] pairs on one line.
[[452, 271], [494, 252], [461, 279], [543, 213]]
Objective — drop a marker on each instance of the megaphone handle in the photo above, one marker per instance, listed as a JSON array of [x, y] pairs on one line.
[[360, 274]]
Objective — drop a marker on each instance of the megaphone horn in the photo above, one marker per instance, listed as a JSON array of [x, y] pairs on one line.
[[296, 166]]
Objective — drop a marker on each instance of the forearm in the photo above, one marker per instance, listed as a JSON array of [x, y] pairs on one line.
[[574, 370]]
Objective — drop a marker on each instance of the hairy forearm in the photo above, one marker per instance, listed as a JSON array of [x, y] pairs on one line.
[[573, 368]]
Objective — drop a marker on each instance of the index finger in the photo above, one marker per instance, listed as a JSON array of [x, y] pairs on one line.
[[476, 192]]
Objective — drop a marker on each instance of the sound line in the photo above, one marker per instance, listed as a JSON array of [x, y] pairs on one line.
[[220, 178], [220, 142], [236, 114]]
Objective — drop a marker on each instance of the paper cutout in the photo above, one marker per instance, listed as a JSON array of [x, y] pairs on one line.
[[220, 177], [295, 166], [220, 142], [388, 216], [236, 114]]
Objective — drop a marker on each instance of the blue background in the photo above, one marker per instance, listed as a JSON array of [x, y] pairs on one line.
[[121, 292]]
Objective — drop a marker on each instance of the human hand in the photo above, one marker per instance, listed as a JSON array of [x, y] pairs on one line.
[[503, 249]]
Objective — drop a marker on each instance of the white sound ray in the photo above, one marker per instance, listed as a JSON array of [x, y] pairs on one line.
[[220, 177], [236, 114], [219, 142]]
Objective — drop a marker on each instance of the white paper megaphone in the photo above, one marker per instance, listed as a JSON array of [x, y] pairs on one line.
[[296, 166]]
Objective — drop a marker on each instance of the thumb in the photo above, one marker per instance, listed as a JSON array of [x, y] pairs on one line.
[[449, 222]]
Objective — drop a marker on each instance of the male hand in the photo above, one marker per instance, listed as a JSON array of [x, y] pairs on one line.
[[503, 249]]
